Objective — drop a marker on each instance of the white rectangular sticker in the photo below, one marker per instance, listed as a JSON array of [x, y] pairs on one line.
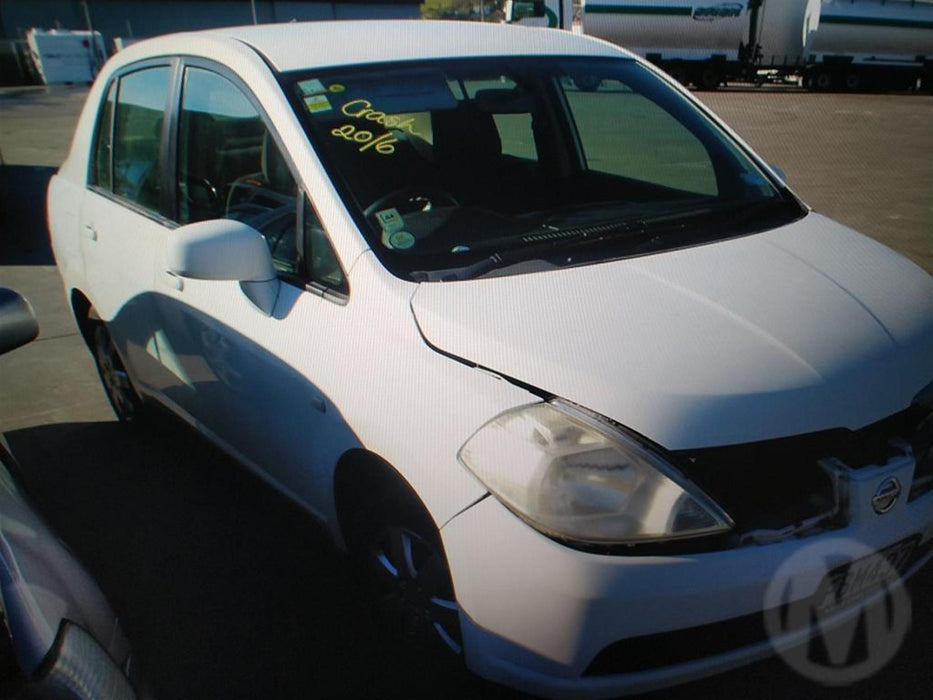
[[311, 87]]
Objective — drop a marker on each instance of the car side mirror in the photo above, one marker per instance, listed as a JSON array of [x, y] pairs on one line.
[[220, 249], [225, 249], [18, 324]]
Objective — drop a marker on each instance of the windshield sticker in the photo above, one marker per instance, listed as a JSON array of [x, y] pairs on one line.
[[401, 240], [311, 87], [383, 143], [318, 103], [390, 220]]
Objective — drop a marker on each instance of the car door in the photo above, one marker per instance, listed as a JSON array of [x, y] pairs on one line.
[[262, 407], [123, 215]]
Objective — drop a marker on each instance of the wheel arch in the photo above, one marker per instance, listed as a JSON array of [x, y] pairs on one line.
[[360, 478], [85, 315]]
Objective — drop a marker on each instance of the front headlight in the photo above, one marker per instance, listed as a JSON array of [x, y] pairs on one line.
[[574, 476]]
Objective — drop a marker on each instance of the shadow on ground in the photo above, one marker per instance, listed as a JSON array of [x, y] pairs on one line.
[[225, 589], [24, 234], [228, 590]]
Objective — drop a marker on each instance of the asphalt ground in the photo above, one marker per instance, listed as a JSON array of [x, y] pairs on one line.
[[226, 589]]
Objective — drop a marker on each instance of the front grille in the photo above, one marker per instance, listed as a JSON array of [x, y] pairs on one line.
[[776, 484], [922, 446]]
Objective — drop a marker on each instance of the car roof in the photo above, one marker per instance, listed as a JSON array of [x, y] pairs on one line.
[[298, 45]]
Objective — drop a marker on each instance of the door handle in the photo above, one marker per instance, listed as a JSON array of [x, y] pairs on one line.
[[90, 232], [319, 403], [172, 281]]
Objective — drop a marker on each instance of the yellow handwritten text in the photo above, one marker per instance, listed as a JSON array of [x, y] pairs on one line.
[[383, 144], [363, 109]]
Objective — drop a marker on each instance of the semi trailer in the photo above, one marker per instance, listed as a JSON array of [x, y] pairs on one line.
[[830, 44], [873, 44]]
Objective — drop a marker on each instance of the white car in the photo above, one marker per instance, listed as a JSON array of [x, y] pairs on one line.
[[517, 319]]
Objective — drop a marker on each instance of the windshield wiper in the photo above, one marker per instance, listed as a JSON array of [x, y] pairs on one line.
[[643, 232], [537, 243]]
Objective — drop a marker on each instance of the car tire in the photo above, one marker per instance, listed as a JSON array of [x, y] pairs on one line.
[[124, 399], [398, 547]]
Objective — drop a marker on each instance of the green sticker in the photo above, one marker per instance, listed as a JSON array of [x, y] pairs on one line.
[[390, 220], [401, 240]]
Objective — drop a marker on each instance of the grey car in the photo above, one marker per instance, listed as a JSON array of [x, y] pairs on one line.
[[65, 637]]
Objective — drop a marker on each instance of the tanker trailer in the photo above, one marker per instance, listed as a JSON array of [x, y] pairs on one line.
[[872, 44], [700, 42]]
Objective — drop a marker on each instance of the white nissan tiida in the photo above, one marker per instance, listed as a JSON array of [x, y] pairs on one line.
[[522, 323]]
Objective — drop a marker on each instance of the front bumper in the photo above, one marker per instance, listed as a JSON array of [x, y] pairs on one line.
[[536, 614]]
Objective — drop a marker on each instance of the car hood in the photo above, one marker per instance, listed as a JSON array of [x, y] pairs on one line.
[[803, 328]]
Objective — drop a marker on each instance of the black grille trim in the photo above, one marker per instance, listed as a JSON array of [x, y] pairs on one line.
[[774, 484]]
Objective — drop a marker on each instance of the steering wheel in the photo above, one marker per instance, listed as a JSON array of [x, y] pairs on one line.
[[409, 200]]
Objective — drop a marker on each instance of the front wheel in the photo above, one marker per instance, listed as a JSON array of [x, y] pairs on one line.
[[120, 392], [401, 551]]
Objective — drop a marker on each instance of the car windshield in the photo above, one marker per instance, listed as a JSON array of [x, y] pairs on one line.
[[461, 168]]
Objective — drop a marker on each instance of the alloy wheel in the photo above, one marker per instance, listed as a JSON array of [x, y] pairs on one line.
[[417, 589], [116, 381]]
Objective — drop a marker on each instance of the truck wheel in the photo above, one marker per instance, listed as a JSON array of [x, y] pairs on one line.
[[710, 78], [679, 73], [823, 80], [853, 80]]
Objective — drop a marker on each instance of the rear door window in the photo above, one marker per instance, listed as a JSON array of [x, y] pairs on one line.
[[101, 174], [137, 136]]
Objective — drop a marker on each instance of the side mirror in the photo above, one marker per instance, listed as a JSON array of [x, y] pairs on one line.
[[220, 249], [18, 324], [225, 249]]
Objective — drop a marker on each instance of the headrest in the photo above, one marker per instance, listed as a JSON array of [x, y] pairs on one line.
[[465, 133], [502, 101]]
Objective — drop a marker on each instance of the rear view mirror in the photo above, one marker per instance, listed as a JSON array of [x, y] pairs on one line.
[[18, 324]]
